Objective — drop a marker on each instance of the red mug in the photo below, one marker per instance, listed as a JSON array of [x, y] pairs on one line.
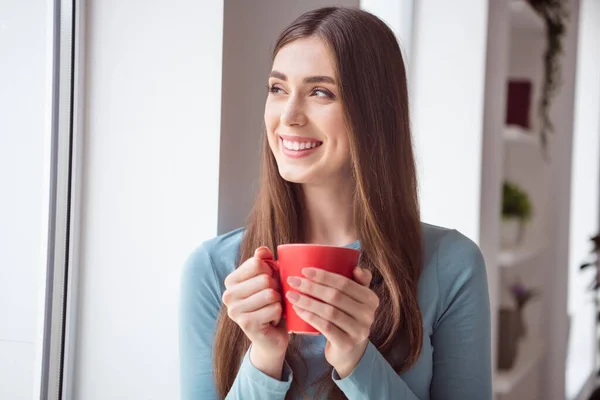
[[292, 258]]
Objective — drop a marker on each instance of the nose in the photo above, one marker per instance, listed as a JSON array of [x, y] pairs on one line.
[[293, 113]]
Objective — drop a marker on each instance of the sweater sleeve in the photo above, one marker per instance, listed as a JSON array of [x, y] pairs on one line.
[[373, 378], [251, 383], [462, 334], [461, 338], [200, 302]]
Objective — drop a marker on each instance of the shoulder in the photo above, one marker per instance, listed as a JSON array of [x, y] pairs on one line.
[[224, 247], [453, 259], [455, 267], [214, 259], [451, 252]]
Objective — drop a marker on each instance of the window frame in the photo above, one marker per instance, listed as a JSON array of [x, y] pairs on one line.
[[63, 218]]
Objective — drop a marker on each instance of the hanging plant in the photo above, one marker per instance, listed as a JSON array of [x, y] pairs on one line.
[[554, 13], [595, 262]]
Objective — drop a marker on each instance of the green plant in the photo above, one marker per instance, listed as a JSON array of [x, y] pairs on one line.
[[515, 202], [555, 14]]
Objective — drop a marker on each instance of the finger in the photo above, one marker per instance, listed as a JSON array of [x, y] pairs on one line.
[[280, 323], [352, 289], [247, 288], [362, 276], [331, 332], [253, 303], [326, 294], [260, 319], [347, 323], [249, 269]]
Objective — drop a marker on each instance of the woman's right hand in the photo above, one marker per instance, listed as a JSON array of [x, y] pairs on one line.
[[253, 302]]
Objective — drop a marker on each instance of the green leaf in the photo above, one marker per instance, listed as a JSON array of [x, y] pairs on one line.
[[515, 202]]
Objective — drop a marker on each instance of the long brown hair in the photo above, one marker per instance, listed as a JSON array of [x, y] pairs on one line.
[[372, 80]]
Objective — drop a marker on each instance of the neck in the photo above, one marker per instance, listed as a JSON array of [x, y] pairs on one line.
[[329, 217]]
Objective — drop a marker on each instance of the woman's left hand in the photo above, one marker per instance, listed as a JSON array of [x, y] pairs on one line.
[[342, 309]]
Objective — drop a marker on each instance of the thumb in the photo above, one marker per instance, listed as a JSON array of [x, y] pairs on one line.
[[362, 276], [264, 253], [280, 323]]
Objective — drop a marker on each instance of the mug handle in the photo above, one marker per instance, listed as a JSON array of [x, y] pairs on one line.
[[274, 265]]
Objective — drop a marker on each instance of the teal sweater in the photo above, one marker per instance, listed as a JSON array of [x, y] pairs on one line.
[[453, 296]]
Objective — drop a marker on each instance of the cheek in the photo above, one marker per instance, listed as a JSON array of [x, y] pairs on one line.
[[272, 114], [271, 120], [336, 126], [340, 140]]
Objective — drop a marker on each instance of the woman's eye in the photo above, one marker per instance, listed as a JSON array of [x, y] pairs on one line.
[[275, 89], [318, 92]]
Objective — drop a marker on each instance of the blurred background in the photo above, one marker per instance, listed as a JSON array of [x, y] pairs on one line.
[[130, 133]]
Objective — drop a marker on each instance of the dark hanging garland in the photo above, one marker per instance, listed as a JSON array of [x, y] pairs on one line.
[[555, 14]]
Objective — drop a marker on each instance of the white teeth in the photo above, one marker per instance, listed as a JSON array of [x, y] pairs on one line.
[[290, 145]]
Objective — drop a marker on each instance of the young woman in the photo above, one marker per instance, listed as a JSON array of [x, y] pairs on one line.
[[337, 169]]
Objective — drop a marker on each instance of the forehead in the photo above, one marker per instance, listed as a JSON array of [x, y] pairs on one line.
[[305, 57]]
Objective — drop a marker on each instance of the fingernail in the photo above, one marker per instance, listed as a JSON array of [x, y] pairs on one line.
[[293, 297], [261, 249], [309, 272], [294, 282]]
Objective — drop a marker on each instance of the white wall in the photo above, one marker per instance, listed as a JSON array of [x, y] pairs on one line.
[[584, 200], [25, 85], [448, 66], [250, 31], [150, 187]]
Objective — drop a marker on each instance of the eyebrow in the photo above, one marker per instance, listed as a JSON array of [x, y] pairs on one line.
[[309, 79]]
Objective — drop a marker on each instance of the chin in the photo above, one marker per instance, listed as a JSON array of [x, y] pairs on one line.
[[294, 176]]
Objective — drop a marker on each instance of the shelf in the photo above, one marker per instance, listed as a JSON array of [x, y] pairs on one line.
[[525, 20], [530, 352], [516, 134], [518, 255]]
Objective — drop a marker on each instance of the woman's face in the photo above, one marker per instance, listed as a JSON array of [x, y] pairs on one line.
[[304, 115]]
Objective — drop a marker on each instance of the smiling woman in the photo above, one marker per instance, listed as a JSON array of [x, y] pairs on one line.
[[303, 107], [337, 169]]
